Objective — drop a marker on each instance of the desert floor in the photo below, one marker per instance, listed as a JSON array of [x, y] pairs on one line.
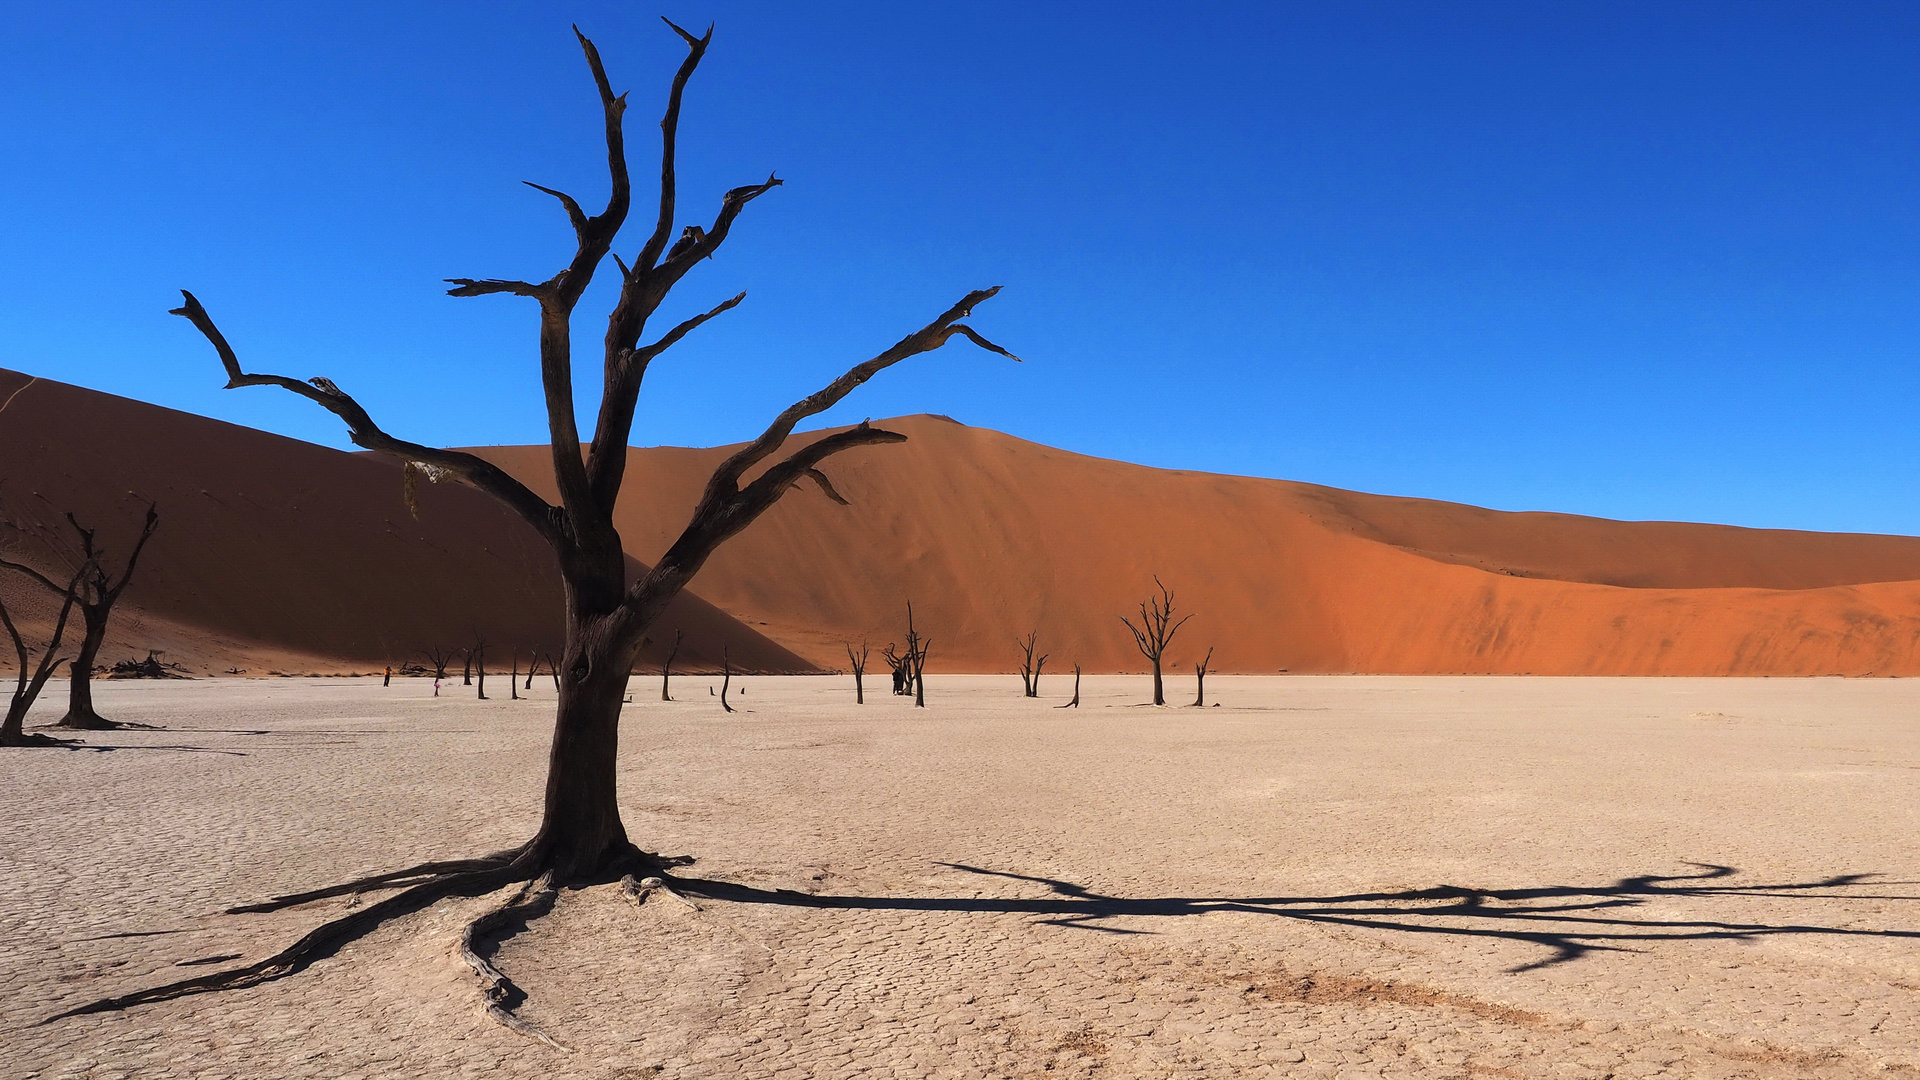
[[1324, 877]]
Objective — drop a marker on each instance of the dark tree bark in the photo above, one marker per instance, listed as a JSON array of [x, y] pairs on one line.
[[533, 668], [513, 677], [581, 836], [553, 671], [466, 667], [478, 655], [859, 663], [1200, 679], [666, 666], [32, 678], [1156, 629], [916, 661], [1075, 703], [726, 677], [98, 592], [1029, 667]]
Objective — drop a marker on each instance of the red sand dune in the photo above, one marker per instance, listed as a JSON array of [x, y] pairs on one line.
[[275, 552], [991, 536]]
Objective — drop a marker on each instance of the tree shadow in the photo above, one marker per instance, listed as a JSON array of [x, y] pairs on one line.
[[1570, 921]]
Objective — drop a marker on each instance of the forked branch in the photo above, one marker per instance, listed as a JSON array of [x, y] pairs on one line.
[[477, 471]]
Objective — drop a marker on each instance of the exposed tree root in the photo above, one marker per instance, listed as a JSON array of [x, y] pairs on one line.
[[420, 887], [636, 892], [533, 900], [29, 738]]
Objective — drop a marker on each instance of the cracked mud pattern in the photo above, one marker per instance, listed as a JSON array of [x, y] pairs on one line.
[[1325, 877]]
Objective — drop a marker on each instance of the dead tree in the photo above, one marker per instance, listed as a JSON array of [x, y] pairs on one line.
[[1029, 667], [439, 658], [513, 677], [666, 667], [33, 678], [1156, 629], [859, 663], [466, 667], [99, 592], [478, 657], [533, 668], [581, 836], [1075, 703], [726, 677], [916, 661], [1200, 679], [902, 670]]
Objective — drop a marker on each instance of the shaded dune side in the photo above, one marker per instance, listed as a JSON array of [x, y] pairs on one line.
[[274, 553], [991, 536]]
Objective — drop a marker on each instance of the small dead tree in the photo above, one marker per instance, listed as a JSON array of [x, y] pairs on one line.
[[533, 668], [902, 670], [859, 663], [439, 659], [513, 677], [1156, 629], [726, 676], [466, 667], [99, 591], [916, 661], [33, 678], [581, 836], [666, 666], [1200, 679], [477, 656], [1075, 703], [1030, 667]]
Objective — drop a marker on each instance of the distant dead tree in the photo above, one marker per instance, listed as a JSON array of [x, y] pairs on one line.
[[581, 836], [902, 670], [1200, 679], [1156, 629], [33, 678], [99, 591], [513, 677], [859, 662], [726, 676], [439, 658], [1029, 667], [533, 667], [1075, 703], [666, 667], [478, 657], [466, 667], [916, 661]]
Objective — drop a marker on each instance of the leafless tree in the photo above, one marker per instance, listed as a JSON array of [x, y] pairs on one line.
[[902, 668], [99, 592], [477, 656], [1200, 679], [533, 668], [466, 667], [1030, 667], [859, 663], [32, 678], [439, 658], [916, 661], [1075, 703], [726, 676], [666, 667], [581, 836], [513, 677], [1156, 629]]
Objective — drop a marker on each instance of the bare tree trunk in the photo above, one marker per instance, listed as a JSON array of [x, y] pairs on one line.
[[513, 677], [80, 712], [466, 668], [1029, 667], [533, 667], [1200, 679], [1156, 629], [726, 668], [1075, 703], [859, 664], [33, 678], [480, 665], [666, 667]]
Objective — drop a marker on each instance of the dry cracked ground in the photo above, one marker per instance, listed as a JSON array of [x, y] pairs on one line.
[[1322, 877]]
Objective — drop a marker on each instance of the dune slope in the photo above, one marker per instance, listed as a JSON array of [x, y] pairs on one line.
[[991, 537], [274, 554]]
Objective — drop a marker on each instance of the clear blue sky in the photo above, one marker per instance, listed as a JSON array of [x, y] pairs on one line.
[[1635, 260]]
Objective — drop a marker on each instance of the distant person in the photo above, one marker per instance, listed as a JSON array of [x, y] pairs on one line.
[[388, 680]]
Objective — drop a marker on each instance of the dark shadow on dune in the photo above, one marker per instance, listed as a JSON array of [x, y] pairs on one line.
[[1569, 920]]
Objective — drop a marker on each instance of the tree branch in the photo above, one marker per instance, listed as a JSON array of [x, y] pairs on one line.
[[669, 133], [479, 472], [926, 339]]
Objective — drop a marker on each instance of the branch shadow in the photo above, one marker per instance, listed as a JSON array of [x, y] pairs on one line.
[[1570, 921]]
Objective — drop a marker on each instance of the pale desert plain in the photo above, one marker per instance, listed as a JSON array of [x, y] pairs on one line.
[[1323, 876]]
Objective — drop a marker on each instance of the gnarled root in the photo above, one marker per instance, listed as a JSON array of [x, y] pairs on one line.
[[533, 900]]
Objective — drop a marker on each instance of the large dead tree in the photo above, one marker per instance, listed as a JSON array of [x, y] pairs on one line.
[[581, 836], [31, 677], [99, 591], [1156, 629], [1029, 666]]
